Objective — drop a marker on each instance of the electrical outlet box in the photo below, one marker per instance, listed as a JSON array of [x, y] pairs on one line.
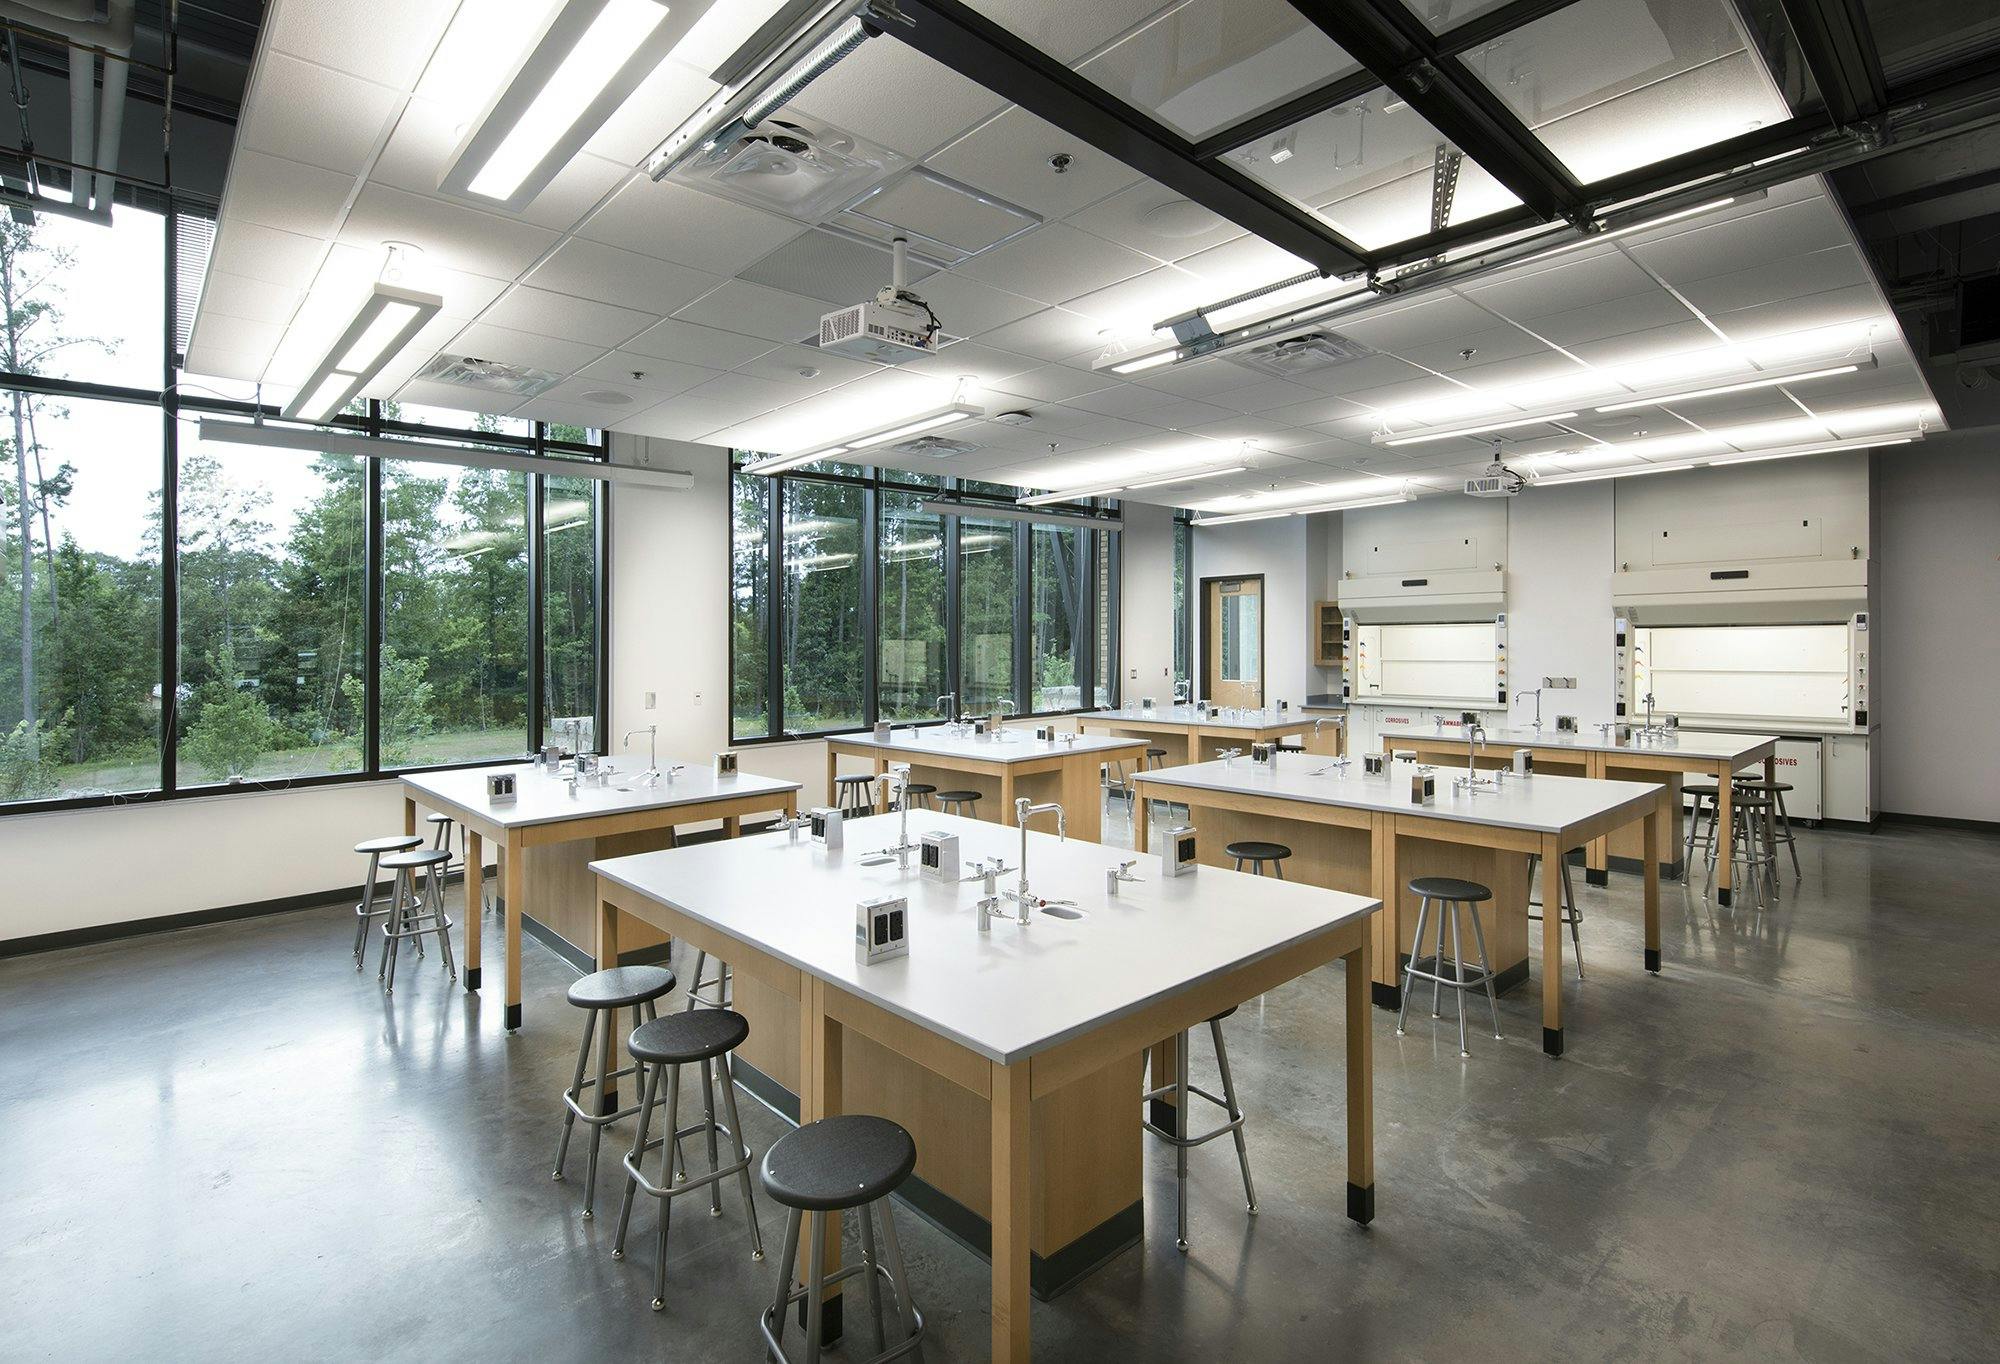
[[938, 854], [1177, 851], [826, 827], [881, 929]]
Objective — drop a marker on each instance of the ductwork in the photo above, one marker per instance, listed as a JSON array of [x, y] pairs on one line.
[[96, 124]]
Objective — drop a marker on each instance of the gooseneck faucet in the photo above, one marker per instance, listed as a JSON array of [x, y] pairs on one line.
[[651, 776], [1025, 810], [1535, 692], [1475, 740]]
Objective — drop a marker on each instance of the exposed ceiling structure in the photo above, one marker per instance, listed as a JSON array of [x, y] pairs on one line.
[[684, 307]]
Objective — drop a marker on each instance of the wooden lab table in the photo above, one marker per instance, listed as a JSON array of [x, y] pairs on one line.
[[1001, 767], [1013, 1056], [1349, 831], [1189, 736], [565, 832], [1597, 751]]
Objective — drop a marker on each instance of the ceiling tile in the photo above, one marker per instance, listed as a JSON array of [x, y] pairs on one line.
[[455, 397], [1068, 32], [984, 364], [265, 253], [1010, 155], [688, 344], [1056, 383], [784, 363], [1132, 306], [1416, 324], [452, 237], [680, 419], [573, 319], [586, 269], [312, 114], [687, 227], [1857, 303], [1053, 263], [241, 335], [1811, 272], [419, 153], [1051, 334], [756, 311], [931, 103], [1771, 235], [388, 44], [967, 308], [1446, 354], [488, 342], [746, 396], [674, 91], [238, 296], [1618, 317], [1152, 218], [287, 195], [1262, 397], [1573, 281], [664, 378]]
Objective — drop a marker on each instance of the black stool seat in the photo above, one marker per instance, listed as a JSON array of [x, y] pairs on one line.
[[854, 778], [695, 1035], [1745, 799], [621, 986], [1253, 851], [1156, 752], [920, 788], [437, 819], [957, 797], [417, 857], [1449, 888], [1697, 788], [1760, 785], [839, 1162], [395, 843]]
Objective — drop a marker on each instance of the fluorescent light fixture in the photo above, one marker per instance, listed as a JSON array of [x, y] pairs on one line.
[[1145, 362], [1865, 443], [1105, 489], [1728, 458], [256, 433], [1236, 518], [949, 415], [1774, 381], [1479, 429], [587, 61], [981, 511], [1186, 478], [389, 318]]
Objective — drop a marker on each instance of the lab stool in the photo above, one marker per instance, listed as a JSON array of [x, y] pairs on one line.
[[1568, 911], [416, 910], [857, 793], [1777, 821], [605, 993], [958, 802], [1180, 1091], [1257, 853], [1156, 760], [919, 791], [1450, 893], [365, 911], [1704, 794], [851, 1161], [662, 1046], [712, 994], [1117, 782], [1750, 818], [443, 825]]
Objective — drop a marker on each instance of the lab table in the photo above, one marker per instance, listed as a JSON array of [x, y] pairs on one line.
[[1002, 766], [1188, 736], [1014, 1055], [1350, 831], [565, 832], [1597, 752]]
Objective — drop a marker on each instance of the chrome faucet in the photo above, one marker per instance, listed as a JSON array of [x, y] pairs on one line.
[[1535, 692], [947, 705], [1475, 740], [651, 776], [1025, 810], [899, 782]]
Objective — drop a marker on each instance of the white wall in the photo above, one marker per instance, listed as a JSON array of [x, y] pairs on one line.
[[1146, 606], [1559, 600], [1937, 646]]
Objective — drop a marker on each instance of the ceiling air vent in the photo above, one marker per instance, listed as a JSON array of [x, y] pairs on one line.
[[802, 169], [489, 376], [1306, 353], [937, 447]]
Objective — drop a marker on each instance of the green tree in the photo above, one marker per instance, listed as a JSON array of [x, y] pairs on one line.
[[27, 759], [406, 706]]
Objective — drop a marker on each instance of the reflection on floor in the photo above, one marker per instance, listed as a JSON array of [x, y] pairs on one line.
[[225, 1143]]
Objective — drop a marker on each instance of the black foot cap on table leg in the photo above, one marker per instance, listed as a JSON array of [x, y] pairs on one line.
[[1385, 996], [472, 977], [1653, 960], [1725, 896], [1552, 1041], [1361, 1203], [513, 1018], [1161, 1114], [1592, 876], [830, 1324]]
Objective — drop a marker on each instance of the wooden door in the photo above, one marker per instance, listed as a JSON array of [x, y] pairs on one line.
[[1233, 641]]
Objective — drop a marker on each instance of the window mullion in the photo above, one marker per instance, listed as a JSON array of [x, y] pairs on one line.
[[537, 726]]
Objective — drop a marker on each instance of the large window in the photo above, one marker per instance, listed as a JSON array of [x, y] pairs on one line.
[[854, 599], [279, 563], [1183, 607]]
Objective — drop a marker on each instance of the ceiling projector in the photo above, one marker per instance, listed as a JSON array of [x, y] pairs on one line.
[[892, 328], [1497, 481]]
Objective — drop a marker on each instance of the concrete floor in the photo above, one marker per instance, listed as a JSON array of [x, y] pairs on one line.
[[224, 1143]]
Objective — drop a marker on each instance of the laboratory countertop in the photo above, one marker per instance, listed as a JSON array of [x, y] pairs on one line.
[[1017, 989], [1185, 716], [1008, 746], [1689, 743], [1541, 804], [544, 799]]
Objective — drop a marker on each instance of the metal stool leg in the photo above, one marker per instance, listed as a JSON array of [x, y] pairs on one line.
[[1687, 854], [1458, 972], [597, 1129], [783, 1299], [671, 1152], [575, 1092], [906, 1306], [436, 883], [871, 1271], [1791, 842], [1446, 909], [1575, 914], [364, 912], [728, 1064], [694, 986], [714, 1153], [1181, 1150], [649, 1094], [1485, 970], [1235, 1113], [398, 914], [815, 1285], [1409, 967]]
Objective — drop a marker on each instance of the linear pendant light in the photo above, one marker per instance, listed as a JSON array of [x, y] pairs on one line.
[[387, 321], [951, 414], [256, 433], [588, 60], [1774, 381], [1106, 489], [1272, 514]]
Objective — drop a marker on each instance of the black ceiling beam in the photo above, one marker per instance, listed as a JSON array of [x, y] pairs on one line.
[[1394, 44], [1279, 117], [1839, 50], [1496, 23], [955, 36]]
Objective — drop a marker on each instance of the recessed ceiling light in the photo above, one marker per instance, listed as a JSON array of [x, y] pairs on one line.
[[610, 397], [1178, 218]]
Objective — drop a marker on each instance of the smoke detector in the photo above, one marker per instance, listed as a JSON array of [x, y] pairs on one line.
[[489, 376]]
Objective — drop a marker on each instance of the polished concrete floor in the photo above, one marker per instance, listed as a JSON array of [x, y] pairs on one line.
[[223, 1143]]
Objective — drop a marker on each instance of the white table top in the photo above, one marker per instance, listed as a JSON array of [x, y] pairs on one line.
[[1186, 715], [1591, 739], [933, 743], [1011, 992], [543, 799], [1541, 804]]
